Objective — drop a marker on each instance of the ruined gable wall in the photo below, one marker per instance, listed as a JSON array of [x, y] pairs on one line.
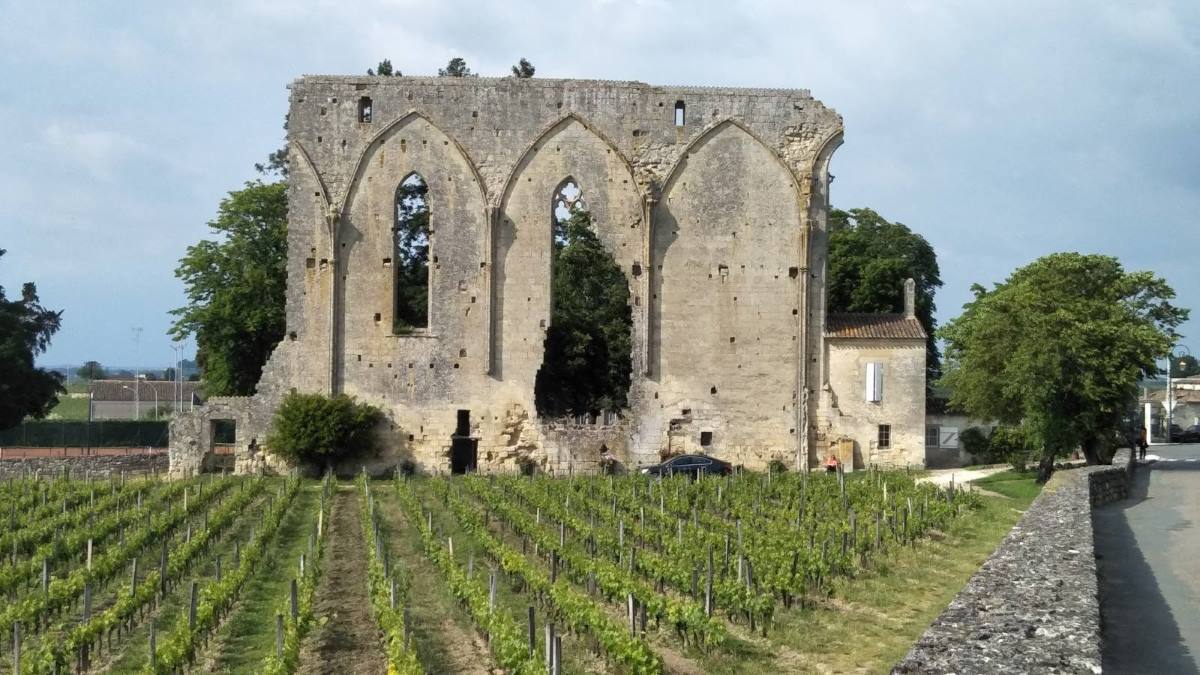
[[492, 152]]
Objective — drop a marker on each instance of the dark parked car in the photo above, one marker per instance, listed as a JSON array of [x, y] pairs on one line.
[[690, 465], [1189, 435]]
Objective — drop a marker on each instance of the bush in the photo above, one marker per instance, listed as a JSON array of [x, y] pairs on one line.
[[975, 442], [777, 466], [314, 428], [1011, 443]]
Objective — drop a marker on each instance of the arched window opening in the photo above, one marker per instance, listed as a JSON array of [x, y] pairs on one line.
[[587, 363], [410, 238], [679, 113], [364, 110]]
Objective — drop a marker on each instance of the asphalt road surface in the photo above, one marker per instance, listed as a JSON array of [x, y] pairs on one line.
[[1148, 560]]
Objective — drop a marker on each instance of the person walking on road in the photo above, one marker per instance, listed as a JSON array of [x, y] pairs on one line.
[[1142, 444]]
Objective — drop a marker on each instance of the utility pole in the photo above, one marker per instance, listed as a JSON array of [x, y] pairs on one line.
[[137, 373]]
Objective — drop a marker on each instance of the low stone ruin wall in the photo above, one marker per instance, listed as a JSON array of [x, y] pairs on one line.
[[1033, 606], [142, 463]]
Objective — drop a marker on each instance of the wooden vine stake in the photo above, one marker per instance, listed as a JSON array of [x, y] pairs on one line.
[[532, 633], [279, 635], [17, 647], [708, 584], [295, 600]]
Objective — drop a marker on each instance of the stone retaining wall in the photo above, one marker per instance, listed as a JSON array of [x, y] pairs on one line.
[[1033, 606], [155, 462]]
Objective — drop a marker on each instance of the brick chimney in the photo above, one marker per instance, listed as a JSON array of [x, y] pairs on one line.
[[910, 298]]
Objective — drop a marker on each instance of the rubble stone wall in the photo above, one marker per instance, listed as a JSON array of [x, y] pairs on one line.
[[1033, 607]]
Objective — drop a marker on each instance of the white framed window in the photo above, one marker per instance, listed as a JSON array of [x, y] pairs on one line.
[[873, 384]]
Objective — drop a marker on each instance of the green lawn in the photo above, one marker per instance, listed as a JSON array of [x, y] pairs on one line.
[[1017, 485]]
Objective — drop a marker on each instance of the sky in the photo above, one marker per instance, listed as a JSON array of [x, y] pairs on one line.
[[1000, 131]]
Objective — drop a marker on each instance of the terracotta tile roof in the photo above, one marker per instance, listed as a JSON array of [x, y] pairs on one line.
[[877, 326], [122, 390]]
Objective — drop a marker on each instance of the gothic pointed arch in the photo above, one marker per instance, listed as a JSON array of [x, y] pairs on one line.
[[381, 137], [568, 148], [726, 253]]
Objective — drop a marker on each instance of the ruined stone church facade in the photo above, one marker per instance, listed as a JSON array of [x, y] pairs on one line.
[[713, 202]]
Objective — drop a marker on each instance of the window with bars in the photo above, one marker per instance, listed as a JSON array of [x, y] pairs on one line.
[[933, 436]]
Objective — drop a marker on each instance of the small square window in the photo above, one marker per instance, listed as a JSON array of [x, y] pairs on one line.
[[932, 436], [706, 438], [885, 436]]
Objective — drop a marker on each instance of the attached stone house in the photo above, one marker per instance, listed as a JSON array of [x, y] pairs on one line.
[[713, 201]]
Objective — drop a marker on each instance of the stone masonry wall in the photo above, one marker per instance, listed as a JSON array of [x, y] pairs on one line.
[[1033, 606], [902, 406], [80, 466], [718, 223]]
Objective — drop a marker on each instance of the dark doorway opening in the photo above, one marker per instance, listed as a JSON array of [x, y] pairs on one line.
[[464, 450]]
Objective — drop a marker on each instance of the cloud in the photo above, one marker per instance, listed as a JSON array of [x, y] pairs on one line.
[[1000, 131], [100, 153]]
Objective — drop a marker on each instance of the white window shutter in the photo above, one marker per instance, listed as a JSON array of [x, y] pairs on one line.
[[873, 386]]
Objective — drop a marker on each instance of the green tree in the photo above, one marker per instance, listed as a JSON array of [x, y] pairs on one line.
[[25, 331], [1058, 348], [92, 370], [456, 68], [1185, 366], [235, 288], [869, 259], [587, 365], [524, 69], [411, 230], [319, 429], [384, 69]]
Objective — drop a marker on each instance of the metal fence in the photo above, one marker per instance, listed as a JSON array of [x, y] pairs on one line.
[[82, 434]]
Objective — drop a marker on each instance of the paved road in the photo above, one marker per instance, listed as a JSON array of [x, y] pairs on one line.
[[1148, 558]]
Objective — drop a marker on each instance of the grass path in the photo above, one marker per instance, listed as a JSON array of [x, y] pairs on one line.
[[248, 637], [345, 639]]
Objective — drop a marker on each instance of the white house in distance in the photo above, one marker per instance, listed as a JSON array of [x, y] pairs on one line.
[[147, 399]]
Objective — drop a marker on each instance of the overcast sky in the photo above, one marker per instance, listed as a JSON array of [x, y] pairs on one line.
[[1001, 131]]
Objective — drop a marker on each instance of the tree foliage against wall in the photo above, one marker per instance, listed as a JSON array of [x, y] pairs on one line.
[[411, 243], [236, 289], [869, 259], [1059, 348], [25, 331], [587, 365]]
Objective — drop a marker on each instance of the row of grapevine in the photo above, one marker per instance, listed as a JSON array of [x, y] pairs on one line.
[[298, 617], [508, 644], [179, 647], [88, 636], [34, 609], [574, 607], [389, 589]]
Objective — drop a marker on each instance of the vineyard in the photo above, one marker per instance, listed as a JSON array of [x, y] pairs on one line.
[[474, 574]]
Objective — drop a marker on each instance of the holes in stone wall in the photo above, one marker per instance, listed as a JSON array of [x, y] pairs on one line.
[[705, 438]]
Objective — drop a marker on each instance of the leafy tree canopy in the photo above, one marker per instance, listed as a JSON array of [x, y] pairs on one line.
[[235, 288], [587, 365], [1059, 348], [25, 331], [456, 68], [92, 370], [869, 259], [523, 69], [314, 428]]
